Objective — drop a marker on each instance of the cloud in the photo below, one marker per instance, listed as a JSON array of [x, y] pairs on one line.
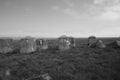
[[69, 3], [108, 2], [105, 9], [71, 13], [67, 9], [98, 1], [109, 15], [55, 7]]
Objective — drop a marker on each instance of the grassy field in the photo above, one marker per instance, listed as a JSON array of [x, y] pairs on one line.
[[79, 63]]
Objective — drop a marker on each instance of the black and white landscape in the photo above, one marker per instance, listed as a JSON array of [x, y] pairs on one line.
[[59, 39]]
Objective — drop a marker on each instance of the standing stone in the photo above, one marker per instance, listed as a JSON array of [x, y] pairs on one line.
[[41, 44], [6, 46], [64, 43], [27, 45], [92, 41], [72, 42]]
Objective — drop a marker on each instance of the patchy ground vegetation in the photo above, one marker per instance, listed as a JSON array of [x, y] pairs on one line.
[[79, 63]]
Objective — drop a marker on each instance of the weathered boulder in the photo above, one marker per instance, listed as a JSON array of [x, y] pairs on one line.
[[92, 40], [41, 44], [64, 43], [100, 44], [114, 44], [27, 45], [6, 46]]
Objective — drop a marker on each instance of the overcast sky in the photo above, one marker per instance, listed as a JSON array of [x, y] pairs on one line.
[[53, 18]]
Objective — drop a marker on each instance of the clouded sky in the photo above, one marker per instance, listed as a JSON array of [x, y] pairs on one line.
[[52, 18]]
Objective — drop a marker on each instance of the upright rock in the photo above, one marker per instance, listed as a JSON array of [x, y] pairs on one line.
[[41, 44], [92, 40], [27, 45], [64, 42]]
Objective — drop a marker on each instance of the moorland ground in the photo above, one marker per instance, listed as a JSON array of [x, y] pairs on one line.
[[79, 63]]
